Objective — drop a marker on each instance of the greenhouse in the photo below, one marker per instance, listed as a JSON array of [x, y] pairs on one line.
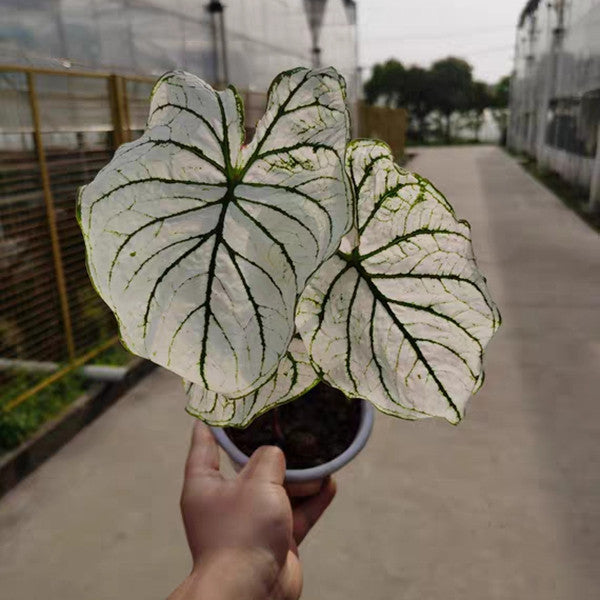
[[555, 90]]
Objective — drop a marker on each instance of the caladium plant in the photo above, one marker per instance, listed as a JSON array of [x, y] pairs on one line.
[[214, 254]]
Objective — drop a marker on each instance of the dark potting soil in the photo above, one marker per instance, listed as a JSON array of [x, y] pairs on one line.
[[316, 428]]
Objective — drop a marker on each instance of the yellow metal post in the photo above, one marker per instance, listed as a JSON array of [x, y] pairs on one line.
[[119, 109], [51, 216], [126, 121]]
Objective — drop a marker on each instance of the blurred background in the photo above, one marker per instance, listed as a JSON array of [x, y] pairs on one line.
[[497, 101]]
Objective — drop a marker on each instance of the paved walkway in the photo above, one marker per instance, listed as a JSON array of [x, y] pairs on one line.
[[504, 507]]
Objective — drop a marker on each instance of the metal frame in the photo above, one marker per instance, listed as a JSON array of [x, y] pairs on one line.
[[117, 92], [50, 216], [48, 71], [117, 87]]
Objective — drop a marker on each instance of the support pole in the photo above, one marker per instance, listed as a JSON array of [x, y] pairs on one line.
[[119, 110], [224, 61], [315, 12], [51, 217], [217, 22], [316, 57]]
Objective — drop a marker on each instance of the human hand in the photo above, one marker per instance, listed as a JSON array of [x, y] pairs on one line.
[[243, 533]]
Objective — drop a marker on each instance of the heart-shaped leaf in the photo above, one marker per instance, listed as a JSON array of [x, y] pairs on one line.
[[401, 317], [294, 376], [201, 246]]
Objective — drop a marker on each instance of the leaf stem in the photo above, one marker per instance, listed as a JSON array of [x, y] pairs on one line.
[[277, 430]]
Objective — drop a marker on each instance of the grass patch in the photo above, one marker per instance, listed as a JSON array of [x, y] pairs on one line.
[[572, 196], [24, 420], [115, 356]]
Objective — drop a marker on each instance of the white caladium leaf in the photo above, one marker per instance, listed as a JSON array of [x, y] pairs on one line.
[[401, 317], [201, 246], [294, 377]]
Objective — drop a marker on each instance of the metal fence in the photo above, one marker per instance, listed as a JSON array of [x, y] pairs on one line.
[[57, 129]]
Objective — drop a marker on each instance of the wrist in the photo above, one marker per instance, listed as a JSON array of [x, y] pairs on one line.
[[235, 574]]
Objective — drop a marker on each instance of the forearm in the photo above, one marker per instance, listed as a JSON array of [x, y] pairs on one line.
[[229, 578]]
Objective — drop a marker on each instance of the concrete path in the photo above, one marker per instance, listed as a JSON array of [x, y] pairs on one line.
[[504, 507]]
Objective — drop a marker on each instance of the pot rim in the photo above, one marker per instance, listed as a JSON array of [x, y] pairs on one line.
[[365, 427]]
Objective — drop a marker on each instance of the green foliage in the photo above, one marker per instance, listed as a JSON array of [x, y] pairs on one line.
[[388, 81], [19, 423], [436, 94], [452, 79], [452, 82], [115, 356], [397, 87], [500, 100], [500, 93], [418, 90], [480, 98], [11, 337], [92, 313]]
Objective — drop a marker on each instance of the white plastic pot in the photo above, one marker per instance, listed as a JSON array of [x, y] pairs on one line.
[[314, 474]]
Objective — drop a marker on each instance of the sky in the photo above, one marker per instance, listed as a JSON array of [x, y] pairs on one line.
[[422, 31]]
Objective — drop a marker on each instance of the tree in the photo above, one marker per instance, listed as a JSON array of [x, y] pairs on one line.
[[480, 98], [387, 83], [418, 98], [443, 92], [451, 85], [500, 111], [396, 87], [501, 92]]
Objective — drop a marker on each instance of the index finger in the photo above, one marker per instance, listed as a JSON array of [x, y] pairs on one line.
[[308, 512], [203, 456]]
